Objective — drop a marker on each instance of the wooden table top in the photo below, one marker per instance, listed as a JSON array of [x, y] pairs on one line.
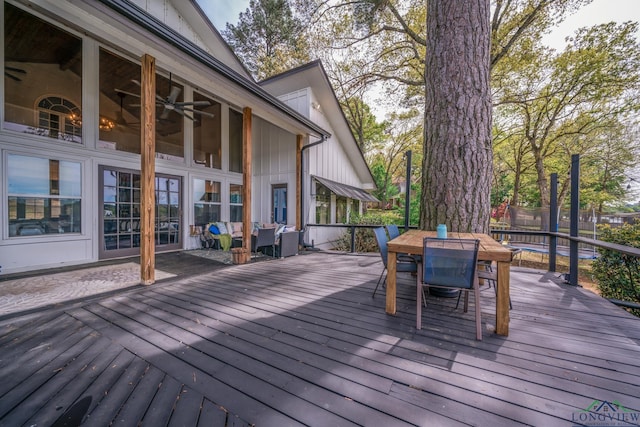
[[490, 250]]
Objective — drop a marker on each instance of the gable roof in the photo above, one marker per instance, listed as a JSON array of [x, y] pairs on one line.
[[160, 30], [314, 76]]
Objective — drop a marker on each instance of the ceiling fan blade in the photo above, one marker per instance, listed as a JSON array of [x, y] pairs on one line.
[[127, 93], [182, 113], [175, 92], [204, 113], [15, 70], [18, 79], [188, 116], [165, 113], [194, 103]]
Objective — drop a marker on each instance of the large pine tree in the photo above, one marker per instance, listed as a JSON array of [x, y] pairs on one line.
[[457, 162], [268, 38]]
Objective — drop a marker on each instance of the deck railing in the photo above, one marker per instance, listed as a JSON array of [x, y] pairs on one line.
[[553, 239]]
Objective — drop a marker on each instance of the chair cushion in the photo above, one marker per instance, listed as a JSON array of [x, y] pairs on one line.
[[222, 227], [235, 229]]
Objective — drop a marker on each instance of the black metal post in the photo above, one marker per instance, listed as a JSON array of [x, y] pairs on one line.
[[575, 216], [407, 192], [553, 221], [353, 239]]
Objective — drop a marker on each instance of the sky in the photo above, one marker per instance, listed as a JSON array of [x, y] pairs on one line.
[[222, 11]]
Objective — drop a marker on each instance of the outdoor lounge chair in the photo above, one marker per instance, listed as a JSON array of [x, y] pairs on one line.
[[287, 244], [266, 238], [449, 264]]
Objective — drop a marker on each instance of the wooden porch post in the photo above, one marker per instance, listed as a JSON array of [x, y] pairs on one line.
[[299, 142], [247, 148], [147, 167]]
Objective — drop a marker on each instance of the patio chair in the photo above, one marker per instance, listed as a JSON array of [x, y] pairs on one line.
[[450, 264], [266, 238], [393, 231], [404, 263]]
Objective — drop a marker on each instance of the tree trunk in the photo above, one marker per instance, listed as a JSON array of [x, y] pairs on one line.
[[457, 164]]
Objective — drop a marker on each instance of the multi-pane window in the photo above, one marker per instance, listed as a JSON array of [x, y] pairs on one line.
[[235, 141], [42, 77], [44, 197], [167, 210], [235, 202], [323, 204], [59, 118], [121, 209], [206, 201]]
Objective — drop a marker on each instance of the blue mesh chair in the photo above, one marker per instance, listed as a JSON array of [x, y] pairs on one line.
[[403, 263], [393, 231], [450, 264]]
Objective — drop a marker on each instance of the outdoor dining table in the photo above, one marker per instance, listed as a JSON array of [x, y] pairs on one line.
[[411, 242]]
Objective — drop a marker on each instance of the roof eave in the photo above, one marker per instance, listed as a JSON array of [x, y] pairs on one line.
[[157, 28]]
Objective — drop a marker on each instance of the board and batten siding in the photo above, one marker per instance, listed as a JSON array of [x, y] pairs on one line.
[[328, 160], [183, 18], [274, 162]]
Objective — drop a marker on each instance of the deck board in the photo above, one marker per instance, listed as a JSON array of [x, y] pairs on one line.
[[301, 341]]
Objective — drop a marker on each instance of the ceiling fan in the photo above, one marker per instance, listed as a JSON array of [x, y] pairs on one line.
[[170, 103]]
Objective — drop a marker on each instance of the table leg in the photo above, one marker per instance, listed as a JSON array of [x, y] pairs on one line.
[[502, 300], [391, 283]]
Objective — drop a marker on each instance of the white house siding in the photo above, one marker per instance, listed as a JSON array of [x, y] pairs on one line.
[[93, 22], [328, 160], [274, 162], [298, 100]]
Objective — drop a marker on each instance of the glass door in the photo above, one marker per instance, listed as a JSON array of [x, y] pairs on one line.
[[279, 203], [120, 213]]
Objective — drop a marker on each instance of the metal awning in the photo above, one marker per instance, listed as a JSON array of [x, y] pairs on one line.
[[346, 190]]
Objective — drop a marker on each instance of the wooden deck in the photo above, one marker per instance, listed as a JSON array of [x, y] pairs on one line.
[[300, 341]]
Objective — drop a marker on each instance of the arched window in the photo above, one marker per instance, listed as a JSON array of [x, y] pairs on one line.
[[60, 118]]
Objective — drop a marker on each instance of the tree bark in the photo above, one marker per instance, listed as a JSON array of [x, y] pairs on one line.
[[458, 157]]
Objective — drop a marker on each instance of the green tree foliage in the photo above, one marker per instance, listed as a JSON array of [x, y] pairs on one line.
[[369, 133], [580, 101], [268, 38], [388, 162], [618, 274], [385, 41]]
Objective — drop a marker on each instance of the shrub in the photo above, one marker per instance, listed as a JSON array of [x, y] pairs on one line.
[[618, 274], [365, 240]]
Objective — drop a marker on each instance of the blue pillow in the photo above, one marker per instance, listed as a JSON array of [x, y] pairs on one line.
[[213, 229]]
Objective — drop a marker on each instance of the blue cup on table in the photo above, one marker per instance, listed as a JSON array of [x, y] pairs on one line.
[[441, 231]]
